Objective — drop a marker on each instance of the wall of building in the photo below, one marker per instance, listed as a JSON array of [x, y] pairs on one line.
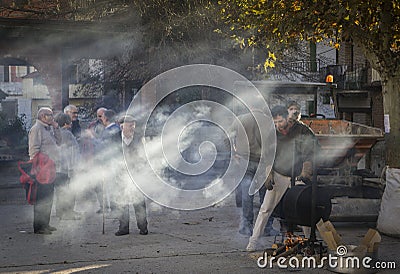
[[377, 108], [349, 54], [362, 118]]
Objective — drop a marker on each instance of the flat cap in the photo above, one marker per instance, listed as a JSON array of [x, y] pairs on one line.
[[126, 118]]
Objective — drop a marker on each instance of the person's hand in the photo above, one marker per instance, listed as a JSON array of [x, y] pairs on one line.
[[53, 124], [306, 172], [89, 133], [302, 181], [305, 175], [269, 183]]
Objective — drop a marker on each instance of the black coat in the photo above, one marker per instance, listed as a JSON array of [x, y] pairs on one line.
[[76, 129]]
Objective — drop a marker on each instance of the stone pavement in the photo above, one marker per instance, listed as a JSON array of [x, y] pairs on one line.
[[201, 241]]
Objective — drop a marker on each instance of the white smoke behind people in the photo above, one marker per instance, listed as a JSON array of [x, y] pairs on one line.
[[181, 139], [182, 134], [113, 172], [110, 171], [181, 145], [175, 146]]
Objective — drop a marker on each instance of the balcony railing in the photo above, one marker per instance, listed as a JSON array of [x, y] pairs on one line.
[[303, 70], [303, 66], [347, 77]]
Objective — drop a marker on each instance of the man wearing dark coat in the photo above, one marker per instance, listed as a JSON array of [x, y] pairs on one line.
[[128, 190], [72, 111]]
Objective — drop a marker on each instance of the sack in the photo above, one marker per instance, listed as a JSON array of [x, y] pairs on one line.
[[389, 216], [29, 182], [41, 169]]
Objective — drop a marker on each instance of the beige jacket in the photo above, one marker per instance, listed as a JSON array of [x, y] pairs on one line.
[[247, 143], [45, 139]]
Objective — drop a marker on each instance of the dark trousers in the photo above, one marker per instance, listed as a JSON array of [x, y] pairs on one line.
[[65, 198], [247, 200], [98, 189], [140, 213], [42, 207]]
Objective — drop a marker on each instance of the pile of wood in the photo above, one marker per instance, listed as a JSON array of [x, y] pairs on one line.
[[369, 243], [292, 245], [329, 234]]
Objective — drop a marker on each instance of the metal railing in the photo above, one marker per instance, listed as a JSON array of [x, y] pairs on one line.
[[304, 70], [345, 76], [303, 66]]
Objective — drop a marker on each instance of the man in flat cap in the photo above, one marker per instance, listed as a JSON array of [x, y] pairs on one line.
[[128, 191]]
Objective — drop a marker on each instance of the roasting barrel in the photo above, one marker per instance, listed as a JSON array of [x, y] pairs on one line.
[[295, 206]]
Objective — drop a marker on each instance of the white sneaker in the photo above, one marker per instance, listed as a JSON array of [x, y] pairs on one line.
[[251, 246]]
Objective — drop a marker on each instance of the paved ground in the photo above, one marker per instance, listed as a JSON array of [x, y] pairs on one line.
[[202, 241]]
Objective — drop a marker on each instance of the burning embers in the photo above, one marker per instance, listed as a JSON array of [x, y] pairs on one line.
[[292, 241], [292, 252], [291, 245], [297, 252]]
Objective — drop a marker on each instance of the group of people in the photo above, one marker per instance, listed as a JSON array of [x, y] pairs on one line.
[[60, 138], [288, 129]]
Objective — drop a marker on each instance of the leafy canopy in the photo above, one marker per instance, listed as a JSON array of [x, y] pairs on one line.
[[373, 25]]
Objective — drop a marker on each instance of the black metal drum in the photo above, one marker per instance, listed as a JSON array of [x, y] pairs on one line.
[[295, 206]]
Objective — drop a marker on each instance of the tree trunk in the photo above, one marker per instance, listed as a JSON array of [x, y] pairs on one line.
[[391, 105]]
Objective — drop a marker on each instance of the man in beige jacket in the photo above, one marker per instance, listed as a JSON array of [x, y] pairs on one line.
[[44, 137]]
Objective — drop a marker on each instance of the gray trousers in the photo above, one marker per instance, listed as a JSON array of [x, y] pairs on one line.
[[140, 213]]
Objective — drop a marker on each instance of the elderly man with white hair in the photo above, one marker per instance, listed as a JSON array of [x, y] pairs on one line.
[[72, 111], [44, 139]]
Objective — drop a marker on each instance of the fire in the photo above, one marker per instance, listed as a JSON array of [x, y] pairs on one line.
[[295, 245], [293, 240]]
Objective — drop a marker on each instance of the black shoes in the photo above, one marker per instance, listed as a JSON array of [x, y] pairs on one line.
[[51, 228], [125, 232], [121, 232], [44, 231]]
